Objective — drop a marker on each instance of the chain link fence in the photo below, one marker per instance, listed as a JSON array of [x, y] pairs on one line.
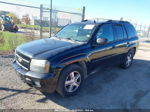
[[142, 30], [60, 18], [34, 22], [37, 19]]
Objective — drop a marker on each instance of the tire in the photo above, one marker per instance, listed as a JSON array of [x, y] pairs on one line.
[[16, 29], [2, 27], [127, 63], [70, 80]]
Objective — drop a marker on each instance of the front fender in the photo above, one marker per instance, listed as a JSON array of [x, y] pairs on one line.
[[82, 57]]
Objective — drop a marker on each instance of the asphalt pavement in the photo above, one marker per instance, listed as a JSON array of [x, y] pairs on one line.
[[112, 88]]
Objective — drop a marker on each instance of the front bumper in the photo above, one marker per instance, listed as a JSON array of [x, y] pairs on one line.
[[43, 82]]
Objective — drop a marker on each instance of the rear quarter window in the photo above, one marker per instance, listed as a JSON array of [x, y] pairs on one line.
[[130, 30]]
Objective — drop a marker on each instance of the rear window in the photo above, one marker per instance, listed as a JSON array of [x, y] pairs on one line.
[[130, 30]]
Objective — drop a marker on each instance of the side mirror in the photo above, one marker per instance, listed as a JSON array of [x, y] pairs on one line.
[[101, 41]]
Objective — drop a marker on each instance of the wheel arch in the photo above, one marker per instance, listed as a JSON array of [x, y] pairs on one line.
[[81, 64], [135, 49]]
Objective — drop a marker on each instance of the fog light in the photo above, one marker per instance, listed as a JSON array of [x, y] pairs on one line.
[[27, 79], [37, 84]]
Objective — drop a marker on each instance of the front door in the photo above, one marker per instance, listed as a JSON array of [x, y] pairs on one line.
[[103, 55]]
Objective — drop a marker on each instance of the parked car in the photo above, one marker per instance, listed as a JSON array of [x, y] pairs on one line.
[[61, 63], [7, 24]]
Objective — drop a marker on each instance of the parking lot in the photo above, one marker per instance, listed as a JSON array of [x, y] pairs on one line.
[[113, 88]]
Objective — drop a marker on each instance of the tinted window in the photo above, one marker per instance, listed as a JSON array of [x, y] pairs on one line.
[[124, 32], [105, 31], [130, 30], [119, 32]]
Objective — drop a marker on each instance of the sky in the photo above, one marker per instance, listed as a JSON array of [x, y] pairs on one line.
[[131, 10]]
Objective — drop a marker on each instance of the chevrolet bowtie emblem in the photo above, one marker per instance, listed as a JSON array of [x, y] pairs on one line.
[[20, 59]]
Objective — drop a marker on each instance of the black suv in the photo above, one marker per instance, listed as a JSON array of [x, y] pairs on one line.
[[62, 62]]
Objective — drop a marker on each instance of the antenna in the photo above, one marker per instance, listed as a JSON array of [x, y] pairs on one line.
[[121, 19]]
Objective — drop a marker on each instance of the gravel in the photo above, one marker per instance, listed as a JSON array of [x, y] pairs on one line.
[[113, 88]]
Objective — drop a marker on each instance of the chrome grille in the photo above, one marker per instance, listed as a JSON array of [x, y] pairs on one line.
[[23, 61]]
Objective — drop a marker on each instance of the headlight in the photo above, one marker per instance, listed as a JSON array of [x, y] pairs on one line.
[[40, 66]]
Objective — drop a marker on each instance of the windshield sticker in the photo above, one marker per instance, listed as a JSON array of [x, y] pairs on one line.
[[88, 27]]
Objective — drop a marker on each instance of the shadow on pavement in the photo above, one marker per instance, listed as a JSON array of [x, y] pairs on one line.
[[94, 93], [88, 95], [16, 92]]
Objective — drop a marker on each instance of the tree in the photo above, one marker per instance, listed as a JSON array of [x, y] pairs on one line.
[[25, 19], [14, 17]]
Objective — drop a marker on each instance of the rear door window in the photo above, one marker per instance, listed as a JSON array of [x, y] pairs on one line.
[[119, 32]]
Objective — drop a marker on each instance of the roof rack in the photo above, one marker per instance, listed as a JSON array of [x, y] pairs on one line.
[[94, 21], [88, 21], [84, 20], [116, 21]]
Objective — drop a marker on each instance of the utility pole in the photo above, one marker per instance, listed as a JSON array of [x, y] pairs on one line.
[[41, 21], [50, 22], [144, 27], [148, 32], [83, 13], [140, 27]]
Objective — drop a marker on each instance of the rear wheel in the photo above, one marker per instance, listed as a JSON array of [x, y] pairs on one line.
[[128, 59], [70, 80]]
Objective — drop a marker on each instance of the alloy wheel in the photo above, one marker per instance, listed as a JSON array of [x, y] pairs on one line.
[[129, 60], [73, 81]]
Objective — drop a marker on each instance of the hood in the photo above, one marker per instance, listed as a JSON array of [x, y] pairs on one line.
[[45, 48]]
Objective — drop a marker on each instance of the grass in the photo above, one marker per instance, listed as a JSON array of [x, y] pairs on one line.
[[9, 41], [29, 26]]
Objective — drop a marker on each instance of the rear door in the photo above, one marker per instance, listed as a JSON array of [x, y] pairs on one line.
[[121, 41]]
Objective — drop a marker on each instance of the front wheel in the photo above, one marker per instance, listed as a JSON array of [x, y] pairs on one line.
[[128, 59], [70, 80]]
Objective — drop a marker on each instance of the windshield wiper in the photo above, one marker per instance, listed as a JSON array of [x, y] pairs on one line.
[[57, 37], [69, 38]]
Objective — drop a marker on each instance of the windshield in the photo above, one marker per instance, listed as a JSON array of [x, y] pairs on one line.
[[76, 32]]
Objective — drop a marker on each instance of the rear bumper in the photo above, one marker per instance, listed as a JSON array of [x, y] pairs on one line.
[[43, 82]]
